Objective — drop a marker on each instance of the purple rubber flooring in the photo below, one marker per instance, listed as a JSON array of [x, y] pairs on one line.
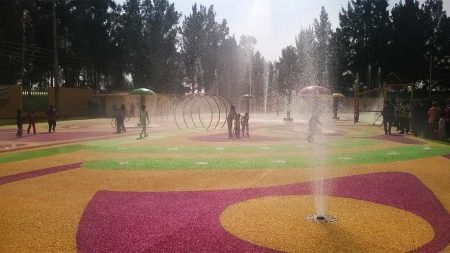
[[38, 173], [56, 136], [189, 221], [398, 138]]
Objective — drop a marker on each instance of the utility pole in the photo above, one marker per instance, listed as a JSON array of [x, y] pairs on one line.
[[431, 67], [24, 15], [55, 56]]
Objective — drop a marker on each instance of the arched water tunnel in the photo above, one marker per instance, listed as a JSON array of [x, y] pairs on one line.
[[199, 111]]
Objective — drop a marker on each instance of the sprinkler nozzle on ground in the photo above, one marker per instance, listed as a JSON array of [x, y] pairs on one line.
[[321, 218]]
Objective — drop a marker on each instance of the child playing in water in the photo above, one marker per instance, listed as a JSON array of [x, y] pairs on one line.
[[313, 127], [144, 119], [245, 124], [237, 126]]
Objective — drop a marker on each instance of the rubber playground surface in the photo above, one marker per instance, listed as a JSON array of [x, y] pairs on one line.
[[86, 189]]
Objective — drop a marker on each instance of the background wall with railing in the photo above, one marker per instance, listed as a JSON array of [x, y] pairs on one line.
[[10, 100]]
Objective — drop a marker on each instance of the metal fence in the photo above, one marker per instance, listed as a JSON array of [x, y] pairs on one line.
[[34, 100]]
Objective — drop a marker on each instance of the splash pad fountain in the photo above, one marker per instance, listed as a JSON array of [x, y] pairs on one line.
[[316, 96]]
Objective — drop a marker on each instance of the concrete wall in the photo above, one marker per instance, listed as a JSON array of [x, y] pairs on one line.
[[72, 102], [154, 103], [10, 100]]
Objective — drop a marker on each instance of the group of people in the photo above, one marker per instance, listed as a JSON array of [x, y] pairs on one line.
[[120, 114], [52, 115], [30, 118], [235, 121], [421, 120]]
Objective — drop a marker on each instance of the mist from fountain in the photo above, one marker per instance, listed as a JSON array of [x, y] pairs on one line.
[[315, 130], [318, 101], [266, 87]]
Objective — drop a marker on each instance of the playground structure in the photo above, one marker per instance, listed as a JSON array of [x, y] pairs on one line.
[[373, 100]]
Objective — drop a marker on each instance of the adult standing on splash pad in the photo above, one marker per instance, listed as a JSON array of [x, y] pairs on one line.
[[143, 115], [51, 116], [388, 117], [120, 118], [230, 119]]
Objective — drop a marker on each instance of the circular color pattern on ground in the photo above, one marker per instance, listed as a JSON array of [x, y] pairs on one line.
[[279, 223]]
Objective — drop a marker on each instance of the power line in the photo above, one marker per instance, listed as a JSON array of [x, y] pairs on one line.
[[70, 61], [24, 45], [33, 53]]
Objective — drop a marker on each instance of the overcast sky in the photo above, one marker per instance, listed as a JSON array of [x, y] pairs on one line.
[[274, 23]]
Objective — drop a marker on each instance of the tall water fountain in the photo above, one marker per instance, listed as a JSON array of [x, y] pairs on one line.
[[266, 87], [317, 97]]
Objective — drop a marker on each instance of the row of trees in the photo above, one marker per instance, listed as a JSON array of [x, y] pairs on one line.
[[408, 44], [142, 43], [145, 43]]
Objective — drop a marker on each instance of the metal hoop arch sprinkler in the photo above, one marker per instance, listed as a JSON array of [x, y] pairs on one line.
[[192, 104]]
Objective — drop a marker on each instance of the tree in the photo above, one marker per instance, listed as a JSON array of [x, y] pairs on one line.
[[133, 41], [408, 47], [365, 30], [246, 52], [159, 33], [203, 42], [192, 40], [258, 69], [322, 32], [87, 51], [437, 41], [341, 77], [305, 69], [228, 77], [24, 48], [287, 70]]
